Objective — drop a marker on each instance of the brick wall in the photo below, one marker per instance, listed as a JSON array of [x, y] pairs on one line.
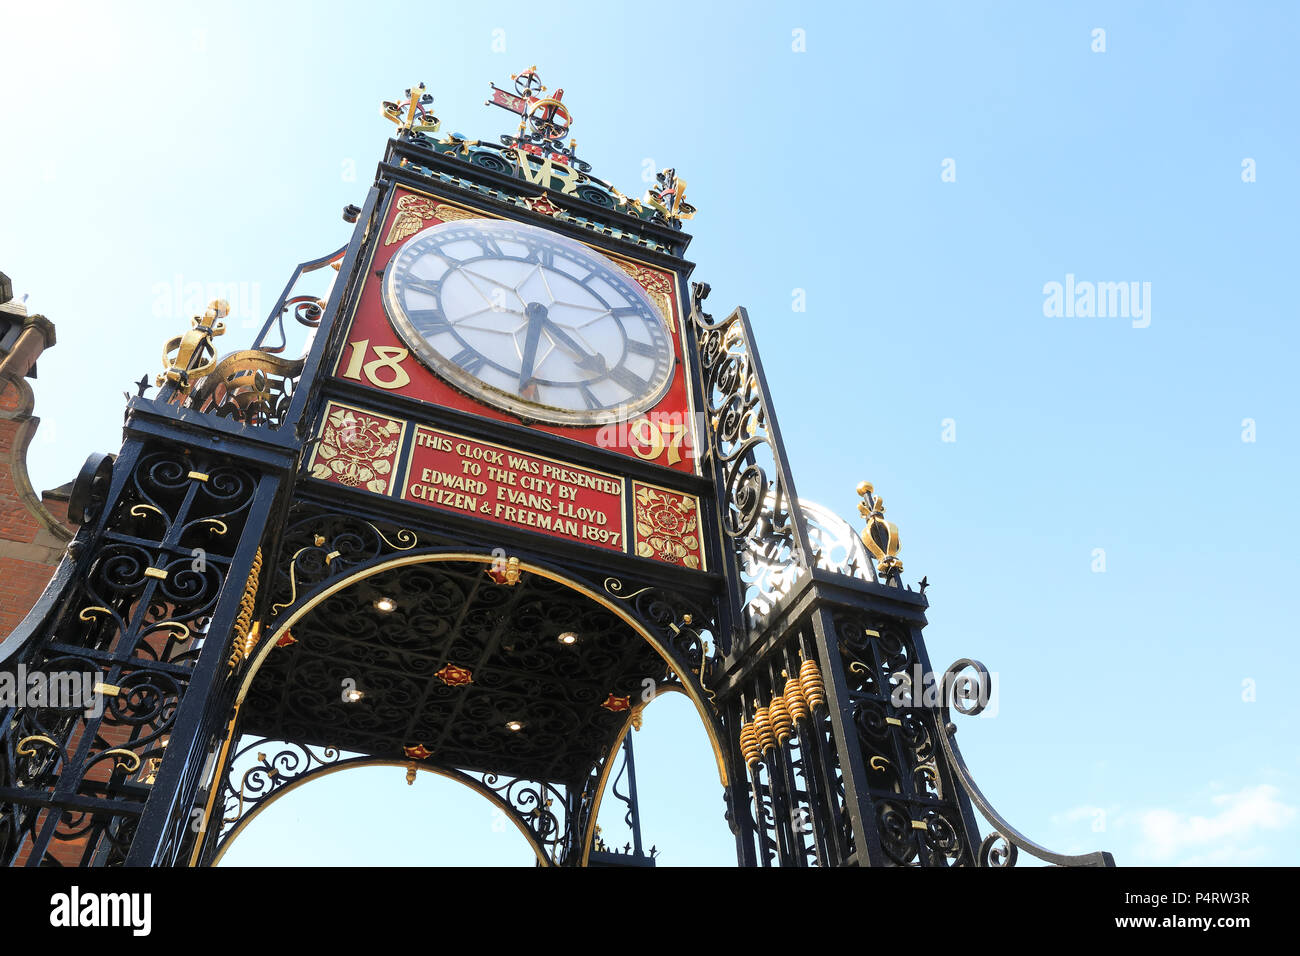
[[33, 530]]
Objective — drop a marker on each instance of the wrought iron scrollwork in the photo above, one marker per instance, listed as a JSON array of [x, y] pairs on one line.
[[918, 819], [835, 547], [250, 386], [135, 620], [90, 488], [255, 386], [760, 512], [1000, 848], [683, 625], [306, 307], [254, 778], [262, 769], [542, 808], [325, 545], [499, 159]]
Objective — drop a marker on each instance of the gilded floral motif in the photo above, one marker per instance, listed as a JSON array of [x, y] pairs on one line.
[[357, 449], [667, 526]]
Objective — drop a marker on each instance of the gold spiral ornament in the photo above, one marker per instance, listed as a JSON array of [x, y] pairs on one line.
[[127, 760], [810, 682], [246, 632], [749, 744], [779, 715], [25, 748], [795, 702], [763, 727]]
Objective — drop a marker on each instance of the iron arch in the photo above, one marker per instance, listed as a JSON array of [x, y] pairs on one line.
[[358, 763], [304, 604]]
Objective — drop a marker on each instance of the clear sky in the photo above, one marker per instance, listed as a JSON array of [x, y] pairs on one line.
[[922, 173]]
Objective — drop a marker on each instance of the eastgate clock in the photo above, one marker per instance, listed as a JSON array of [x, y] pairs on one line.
[[530, 322]]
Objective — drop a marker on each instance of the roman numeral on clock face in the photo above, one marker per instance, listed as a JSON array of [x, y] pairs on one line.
[[427, 286], [633, 383], [469, 360], [429, 321], [641, 348]]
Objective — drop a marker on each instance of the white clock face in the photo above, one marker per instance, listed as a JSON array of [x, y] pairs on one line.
[[530, 322]]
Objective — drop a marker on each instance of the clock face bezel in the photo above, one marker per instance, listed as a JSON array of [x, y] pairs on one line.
[[511, 401]]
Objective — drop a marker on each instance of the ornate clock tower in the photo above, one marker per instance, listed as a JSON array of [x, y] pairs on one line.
[[487, 483]]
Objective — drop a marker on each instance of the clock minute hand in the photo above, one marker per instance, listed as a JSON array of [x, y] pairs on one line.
[[536, 313], [587, 360]]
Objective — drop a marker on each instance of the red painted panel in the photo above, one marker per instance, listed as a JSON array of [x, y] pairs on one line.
[[376, 357], [510, 487]]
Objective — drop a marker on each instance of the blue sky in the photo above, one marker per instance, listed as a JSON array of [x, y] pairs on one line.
[[151, 146]]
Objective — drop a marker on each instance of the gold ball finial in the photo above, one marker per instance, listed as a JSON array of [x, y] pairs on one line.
[[865, 488]]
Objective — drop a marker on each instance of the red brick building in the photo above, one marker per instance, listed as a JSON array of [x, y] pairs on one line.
[[33, 529]]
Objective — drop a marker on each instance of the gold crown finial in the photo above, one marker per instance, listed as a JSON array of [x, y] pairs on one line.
[[194, 355]]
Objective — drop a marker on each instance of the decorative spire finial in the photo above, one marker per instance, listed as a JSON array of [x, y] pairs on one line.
[[879, 536], [544, 121], [668, 198], [410, 114]]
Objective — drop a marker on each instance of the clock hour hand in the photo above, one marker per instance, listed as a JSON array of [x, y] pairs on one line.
[[591, 362]]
